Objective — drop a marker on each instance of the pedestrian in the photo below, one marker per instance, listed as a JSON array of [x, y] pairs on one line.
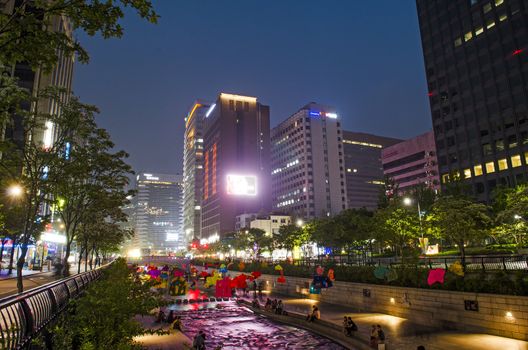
[[161, 316], [420, 347], [349, 326], [199, 341], [381, 338], [374, 337], [255, 303], [314, 315], [260, 286], [170, 317], [280, 307]]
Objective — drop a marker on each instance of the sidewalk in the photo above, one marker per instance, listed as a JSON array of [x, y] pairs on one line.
[[400, 333]]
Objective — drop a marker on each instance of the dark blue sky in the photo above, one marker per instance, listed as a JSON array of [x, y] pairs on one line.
[[363, 57]]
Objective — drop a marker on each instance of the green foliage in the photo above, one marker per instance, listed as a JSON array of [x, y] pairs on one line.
[[103, 317], [398, 226], [25, 34]]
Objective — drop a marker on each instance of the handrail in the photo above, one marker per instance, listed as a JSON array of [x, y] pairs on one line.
[[24, 315]]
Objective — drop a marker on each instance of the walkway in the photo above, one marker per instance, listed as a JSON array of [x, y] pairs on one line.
[[401, 333]]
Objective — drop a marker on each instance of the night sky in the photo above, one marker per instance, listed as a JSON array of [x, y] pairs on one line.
[[363, 57]]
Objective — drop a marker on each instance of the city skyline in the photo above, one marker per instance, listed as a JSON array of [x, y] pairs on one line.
[[343, 70]]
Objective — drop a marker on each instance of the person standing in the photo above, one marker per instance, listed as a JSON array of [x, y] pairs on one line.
[[374, 337], [381, 338], [199, 341]]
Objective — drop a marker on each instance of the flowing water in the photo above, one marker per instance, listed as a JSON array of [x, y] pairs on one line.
[[232, 326]]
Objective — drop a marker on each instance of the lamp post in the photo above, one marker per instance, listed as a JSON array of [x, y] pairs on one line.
[[408, 201], [15, 191]]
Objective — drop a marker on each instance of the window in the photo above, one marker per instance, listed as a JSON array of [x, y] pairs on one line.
[[499, 145], [467, 173], [468, 36], [487, 8], [445, 178], [503, 164], [477, 170], [503, 17], [486, 148], [479, 31], [516, 161], [526, 157], [458, 42], [490, 24], [499, 2], [490, 167]]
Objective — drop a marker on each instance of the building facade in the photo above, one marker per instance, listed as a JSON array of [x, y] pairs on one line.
[[271, 224], [159, 222], [193, 170], [363, 168], [236, 163], [412, 162], [308, 176], [476, 61]]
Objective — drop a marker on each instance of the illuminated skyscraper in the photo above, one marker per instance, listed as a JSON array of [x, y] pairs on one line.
[[308, 177], [193, 169], [159, 224], [476, 62], [236, 162]]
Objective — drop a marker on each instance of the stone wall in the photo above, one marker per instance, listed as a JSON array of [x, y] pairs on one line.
[[501, 315]]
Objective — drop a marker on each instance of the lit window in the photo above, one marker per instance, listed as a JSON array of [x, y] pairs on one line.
[[487, 8], [445, 178], [490, 167], [503, 164], [503, 17], [477, 170], [468, 36], [467, 173], [526, 157], [458, 42], [349, 170], [355, 170], [499, 2], [479, 31], [490, 24], [516, 161]]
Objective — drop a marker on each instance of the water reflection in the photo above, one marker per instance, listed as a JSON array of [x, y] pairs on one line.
[[233, 327]]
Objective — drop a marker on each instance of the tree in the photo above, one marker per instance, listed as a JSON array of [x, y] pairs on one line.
[[259, 241], [26, 35], [388, 192], [90, 178], [288, 236], [399, 227], [460, 220], [511, 206]]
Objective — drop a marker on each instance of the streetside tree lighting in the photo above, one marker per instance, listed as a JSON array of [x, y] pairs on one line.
[[300, 222], [15, 191]]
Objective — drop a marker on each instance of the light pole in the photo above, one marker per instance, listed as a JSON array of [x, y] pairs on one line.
[[408, 201]]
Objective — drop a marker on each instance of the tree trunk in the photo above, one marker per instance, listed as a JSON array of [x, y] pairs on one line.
[[65, 264], [86, 258], [11, 258], [20, 266], [2, 252], [80, 260]]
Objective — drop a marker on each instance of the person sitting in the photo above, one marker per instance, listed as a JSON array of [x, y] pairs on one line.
[[350, 326], [279, 308], [255, 303], [314, 315], [199, 341], [267, 306], [274, 305]]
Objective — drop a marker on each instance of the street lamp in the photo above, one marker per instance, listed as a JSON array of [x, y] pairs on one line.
[[517, 217], [15, 191], [408, 201], [300, 222]]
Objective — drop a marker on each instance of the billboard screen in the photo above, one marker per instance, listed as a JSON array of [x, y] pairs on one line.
[[242, 185]]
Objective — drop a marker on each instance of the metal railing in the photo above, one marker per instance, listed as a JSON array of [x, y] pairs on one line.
[[23, 316]]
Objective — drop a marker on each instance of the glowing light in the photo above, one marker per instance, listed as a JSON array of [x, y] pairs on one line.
[[392, 300], [67, 151], [516, 52], [331, 115], [315, 113], [242, 185], [134, 253], [238, 97], [407, 201], [210, 110], [352, 142], [48, 135], [53, 237], [15, 191], [509, 314], [300, 223], [191, 114]]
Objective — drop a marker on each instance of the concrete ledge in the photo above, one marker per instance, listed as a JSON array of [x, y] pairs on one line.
[[323, 328]]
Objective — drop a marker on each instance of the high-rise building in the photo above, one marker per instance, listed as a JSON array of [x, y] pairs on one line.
[[159, 223], [193, 169], [476, 61], [35, 79], [412, 162], [364, 172], [236, 163], [308, 176]]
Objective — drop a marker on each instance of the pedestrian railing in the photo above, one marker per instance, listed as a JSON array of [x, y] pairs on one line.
[[23, 316]]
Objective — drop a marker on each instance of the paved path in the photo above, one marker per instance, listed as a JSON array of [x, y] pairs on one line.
[[400, 332]]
